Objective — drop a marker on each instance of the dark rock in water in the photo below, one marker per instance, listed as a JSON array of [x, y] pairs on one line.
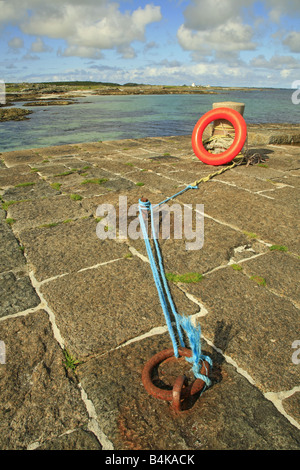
[[49, 103], [15, 114]]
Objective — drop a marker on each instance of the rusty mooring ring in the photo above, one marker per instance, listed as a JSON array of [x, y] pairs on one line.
[[179, 391]]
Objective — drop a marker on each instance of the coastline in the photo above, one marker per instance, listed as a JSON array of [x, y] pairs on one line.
[[59, 93], [33, 95], [67, 93], [38, 94]]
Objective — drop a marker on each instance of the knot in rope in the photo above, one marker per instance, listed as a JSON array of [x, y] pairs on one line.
[[144, 204]]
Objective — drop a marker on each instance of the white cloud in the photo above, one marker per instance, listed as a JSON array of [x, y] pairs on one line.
[[292, 41], [221, 35], [276, 62], [215, 28], [278, 8], [29, 56], [10, 13], [150, 45], [16, 43], [202, 15], [170, 63], [222, 29], [87, 27], [39, 46], [283, 66], [80, 51], [231, 37]]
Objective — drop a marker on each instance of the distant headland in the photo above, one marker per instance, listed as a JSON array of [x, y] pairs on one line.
[[66, 93]]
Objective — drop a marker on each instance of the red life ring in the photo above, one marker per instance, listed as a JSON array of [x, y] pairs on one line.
[[239, 125]]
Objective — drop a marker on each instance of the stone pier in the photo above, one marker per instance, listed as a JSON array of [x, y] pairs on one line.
[[80, 316]]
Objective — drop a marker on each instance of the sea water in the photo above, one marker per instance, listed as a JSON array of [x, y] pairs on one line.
[[112, 117]]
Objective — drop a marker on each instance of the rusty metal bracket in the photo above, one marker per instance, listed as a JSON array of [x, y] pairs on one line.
[[181, 390]]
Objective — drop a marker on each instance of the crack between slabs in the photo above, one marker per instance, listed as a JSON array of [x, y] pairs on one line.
[[93, 424]]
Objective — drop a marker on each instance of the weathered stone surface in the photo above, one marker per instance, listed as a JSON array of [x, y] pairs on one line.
[[254, 183], [281, 272], [67, 248], [11, 256], [219, 244], [292, 406], [10, 178], [104, 308], [272, 221], [37, 190], [134, 420], [252, 325], [153, 181], [108, 305], [130, 197], [58, 151], [118, 167], [68, 182], [280, 139], [80, 439], [21, 157], [44, 211], [278, 134], [16, 293], [51, 169], [38, 400], [13, 171]]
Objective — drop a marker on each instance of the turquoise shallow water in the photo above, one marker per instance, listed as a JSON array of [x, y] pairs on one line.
[[97, 118]]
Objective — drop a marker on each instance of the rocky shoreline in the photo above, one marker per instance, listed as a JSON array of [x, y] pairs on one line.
[[14, 114], [62, 94]]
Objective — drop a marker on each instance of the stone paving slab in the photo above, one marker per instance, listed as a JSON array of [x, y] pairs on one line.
[[11, 256], [38, 400], [36, 190], [67, 248], [16, 293], [106, 306], [134, 420], [274, 221], [259, 325], [19, 157], [52, 210], [281, 272], [10, 178], [80, 316]]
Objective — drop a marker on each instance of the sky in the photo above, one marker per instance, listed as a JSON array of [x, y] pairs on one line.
[[161, 42]]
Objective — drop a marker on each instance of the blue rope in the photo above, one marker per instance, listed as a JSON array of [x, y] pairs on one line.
[[175, 195], [182, 322], [194, 337], [147, 205], [162, 272]]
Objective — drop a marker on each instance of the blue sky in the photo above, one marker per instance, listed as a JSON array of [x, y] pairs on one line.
[[164, 42]]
